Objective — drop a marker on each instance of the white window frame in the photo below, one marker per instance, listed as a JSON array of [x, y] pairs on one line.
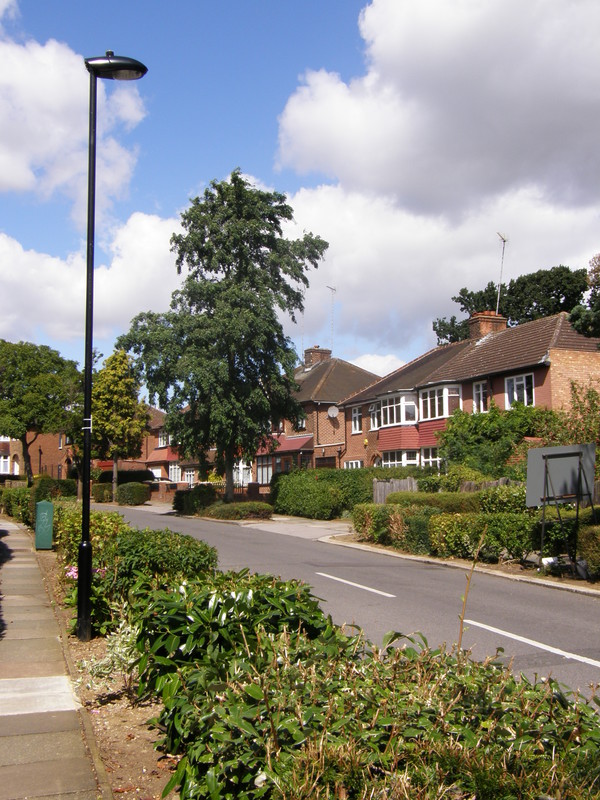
[[356, 464], [301, 426], [4, 465], [434, 403], [396, 410], [400, 458], [174, 472], [374, 411], [264, 470], [357, 419], [480, 397], [163, 438], [516, 384], [430, 457], [189, 476]]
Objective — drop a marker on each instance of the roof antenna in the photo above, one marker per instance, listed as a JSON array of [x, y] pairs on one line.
[[333, 290], [504, 240]]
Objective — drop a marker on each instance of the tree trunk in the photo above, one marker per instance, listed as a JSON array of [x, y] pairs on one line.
[[115, 478], [229, 460], [27, 459]]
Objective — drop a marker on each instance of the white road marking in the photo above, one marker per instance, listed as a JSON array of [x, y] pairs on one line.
[[357, 585], [533, 643]]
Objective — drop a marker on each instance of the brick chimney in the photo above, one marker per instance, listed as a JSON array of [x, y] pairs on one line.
[[483, 322], [314, 355]]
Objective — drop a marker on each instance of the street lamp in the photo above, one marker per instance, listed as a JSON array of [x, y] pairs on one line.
[[110, 67]]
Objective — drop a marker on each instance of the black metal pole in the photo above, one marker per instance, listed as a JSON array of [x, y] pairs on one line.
[[84, 572]]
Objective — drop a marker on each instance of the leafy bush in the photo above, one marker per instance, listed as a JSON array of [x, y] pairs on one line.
[[458, 535], [508, 498], [102, 492], [588, 547], [430, 483], [259, 704], [252, 509], [403, 527], [458, 474], [15, 502], [191, 501], [133, 494], [46, 488], [450, 502], [126, 476], [307, 494]]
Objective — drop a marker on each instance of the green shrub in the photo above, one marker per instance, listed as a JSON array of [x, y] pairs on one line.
[[458, 535], [126, 476], [450, 502], [458, 474], [104, 528], [133, 494], [403, 527], [430, 483], [588, 548], [252, 509], [508, 498], [191, 501], [308, 494], [16, 504], [102, 492]]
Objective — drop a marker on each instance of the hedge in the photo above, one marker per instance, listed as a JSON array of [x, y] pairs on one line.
[[506, 535], [450, 502], [191, 501], [588, 548], [251, 509], [404, 527], [133, 494], [102, 492]]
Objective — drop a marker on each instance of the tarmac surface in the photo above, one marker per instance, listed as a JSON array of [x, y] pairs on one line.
[[47, 748]]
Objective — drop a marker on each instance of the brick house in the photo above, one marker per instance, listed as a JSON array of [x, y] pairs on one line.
[[319, 441], [394, 421]]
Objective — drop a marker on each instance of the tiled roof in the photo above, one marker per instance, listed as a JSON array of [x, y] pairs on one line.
[[156, 418], [331, 381], [289, 444], [512, 349]]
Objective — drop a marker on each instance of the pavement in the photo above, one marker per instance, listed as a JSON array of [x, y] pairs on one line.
[[47, 748]]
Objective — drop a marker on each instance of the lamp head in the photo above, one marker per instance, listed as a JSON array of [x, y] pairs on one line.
[[118, 68]]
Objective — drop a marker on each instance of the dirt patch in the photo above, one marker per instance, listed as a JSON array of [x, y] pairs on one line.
[[124, 738]]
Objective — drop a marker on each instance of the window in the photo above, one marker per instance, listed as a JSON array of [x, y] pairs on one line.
[[190, 476], [519, 389], [480, 397], [174, 472], [400, 458], [353, 464], [264, 469], [60, 441], [4, 465], [397, 410], [163, 438], [429, 457], [440, 402], [357, 419], [301, 426], [374, 411]]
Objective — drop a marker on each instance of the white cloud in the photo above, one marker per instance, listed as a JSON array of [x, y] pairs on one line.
[[44, 92], [461, 101], [44, 297], [379, 364]]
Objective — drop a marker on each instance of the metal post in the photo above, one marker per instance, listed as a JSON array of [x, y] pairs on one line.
[[84, 573]]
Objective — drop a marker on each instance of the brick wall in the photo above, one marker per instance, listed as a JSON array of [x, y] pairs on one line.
[[567, 366]]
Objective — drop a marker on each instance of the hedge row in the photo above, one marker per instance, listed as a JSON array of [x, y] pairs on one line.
[[20, 502]]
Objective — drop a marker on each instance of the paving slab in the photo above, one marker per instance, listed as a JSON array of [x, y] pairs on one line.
[[58, 778]]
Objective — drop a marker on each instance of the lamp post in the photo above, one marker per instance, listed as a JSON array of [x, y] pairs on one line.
[[110, 67]]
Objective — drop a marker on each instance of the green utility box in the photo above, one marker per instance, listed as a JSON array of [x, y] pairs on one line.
[[44, 514]]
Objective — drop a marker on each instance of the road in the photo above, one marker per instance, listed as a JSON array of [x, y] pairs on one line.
[[543, 631]]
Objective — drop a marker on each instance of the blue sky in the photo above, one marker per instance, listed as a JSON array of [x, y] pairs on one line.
[[405, 132]]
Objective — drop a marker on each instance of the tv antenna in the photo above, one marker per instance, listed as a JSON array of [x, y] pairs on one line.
[[333, 290], [503, 240]]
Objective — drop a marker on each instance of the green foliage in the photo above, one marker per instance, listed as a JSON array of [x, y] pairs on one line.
[[264, 698], [46, 488], [191, 501], [528, 297], [446, 501], [119, 418], [102, 492], [133, 494], [508, 498], [126, 476], [307, 493], [219, 360], [458, 474], [507, 535], [252, 509], [588, 547], [405, 527], [485, 442], [15, 502], [104, 528], [39, 390]]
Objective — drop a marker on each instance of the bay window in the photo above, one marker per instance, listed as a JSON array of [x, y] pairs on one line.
[[441, 401]]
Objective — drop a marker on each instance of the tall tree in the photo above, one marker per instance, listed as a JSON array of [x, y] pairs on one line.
[[119, 419], [585, 317], [219, 361], [38, 389], [528, 297]]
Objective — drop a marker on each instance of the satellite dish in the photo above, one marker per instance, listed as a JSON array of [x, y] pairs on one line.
[[332, 412]]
